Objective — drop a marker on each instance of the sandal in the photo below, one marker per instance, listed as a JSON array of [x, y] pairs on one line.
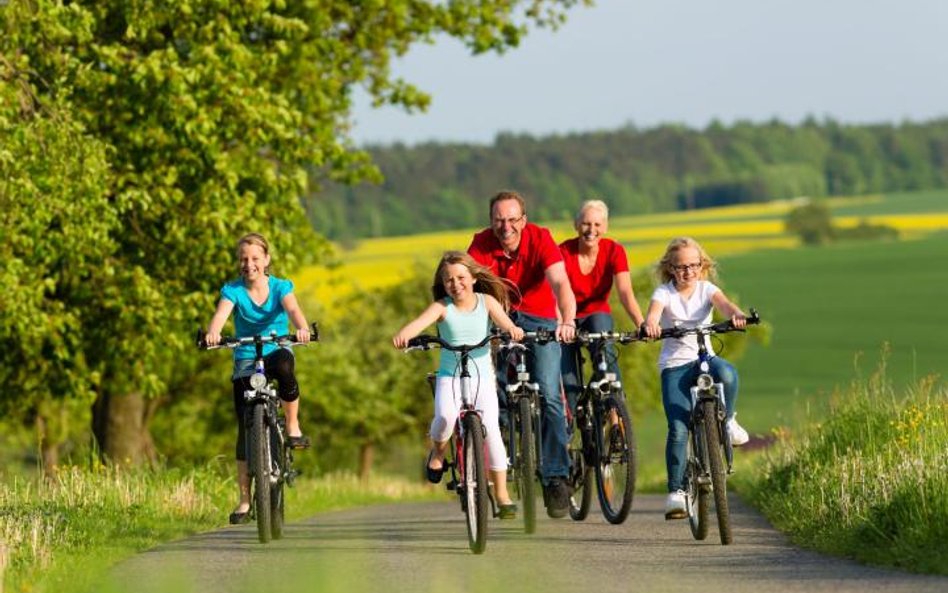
[[507, 511], [433, 475], [298, 442]]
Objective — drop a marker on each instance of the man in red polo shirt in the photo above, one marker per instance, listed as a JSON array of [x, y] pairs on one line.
[[527, 255]]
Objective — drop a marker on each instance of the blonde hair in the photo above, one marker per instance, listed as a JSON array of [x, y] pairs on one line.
[[666, 266], [597, 204], [258, 240], [487, 282]]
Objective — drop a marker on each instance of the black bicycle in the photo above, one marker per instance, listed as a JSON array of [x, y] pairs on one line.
[[468, 466], [602, 440], [269, 458], [710, 455], [522, 434]]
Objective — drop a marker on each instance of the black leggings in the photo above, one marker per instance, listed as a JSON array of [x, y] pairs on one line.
[[280, 365]]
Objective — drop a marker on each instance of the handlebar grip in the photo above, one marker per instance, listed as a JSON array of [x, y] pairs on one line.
[[199, 339]]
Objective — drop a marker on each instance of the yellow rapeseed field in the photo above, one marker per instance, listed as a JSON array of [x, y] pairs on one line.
[[375, 263]]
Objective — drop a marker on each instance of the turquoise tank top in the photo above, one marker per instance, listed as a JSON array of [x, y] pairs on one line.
[[465, 327]]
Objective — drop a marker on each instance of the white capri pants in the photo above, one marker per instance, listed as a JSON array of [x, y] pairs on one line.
[[448, 402]]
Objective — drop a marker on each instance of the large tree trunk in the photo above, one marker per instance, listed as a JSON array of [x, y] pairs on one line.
[[120, 426], [49, 449], [366, 457]]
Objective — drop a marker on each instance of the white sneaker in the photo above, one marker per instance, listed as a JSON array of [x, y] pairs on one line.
[[737, 433], [675, 505]]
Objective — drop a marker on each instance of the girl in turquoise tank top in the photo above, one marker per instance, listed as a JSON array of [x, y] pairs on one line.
[[467, 297]]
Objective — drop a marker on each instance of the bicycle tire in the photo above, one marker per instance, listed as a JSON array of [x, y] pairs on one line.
[[474, 483], [698, 497], [581, 474], [616, 466], [712, 432], [260, 450], [527, 472], [277, 500]]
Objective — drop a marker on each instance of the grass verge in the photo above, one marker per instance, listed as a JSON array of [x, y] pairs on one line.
[[869, 481], [62, 535]]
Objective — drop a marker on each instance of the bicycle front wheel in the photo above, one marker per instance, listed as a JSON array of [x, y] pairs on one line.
[[260, 452], [697, 491], [279, 465], [527, 472], [715, 448], [615, 472], [474, 483]]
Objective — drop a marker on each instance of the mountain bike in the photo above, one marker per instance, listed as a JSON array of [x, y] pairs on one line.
[[710, 455], [468, 466], [523, 423], [603, 441], [269, 458]]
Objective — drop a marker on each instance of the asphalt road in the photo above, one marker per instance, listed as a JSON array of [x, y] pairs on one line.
[[419, 548]]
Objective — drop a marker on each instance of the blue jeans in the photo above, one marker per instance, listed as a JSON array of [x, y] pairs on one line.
[[544, 368], [569, 366], [676, 398]]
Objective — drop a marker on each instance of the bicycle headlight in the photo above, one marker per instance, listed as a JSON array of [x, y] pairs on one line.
[[705, 381], [258, 380]]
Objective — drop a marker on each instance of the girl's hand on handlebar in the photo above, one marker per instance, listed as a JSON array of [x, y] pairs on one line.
[[303, 335], [516, 333], [400, 340], [739, 321], [652, 330], [212, 339]]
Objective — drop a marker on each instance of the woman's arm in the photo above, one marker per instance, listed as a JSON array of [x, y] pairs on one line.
[[623, 282], [434, 312], [501, 319]]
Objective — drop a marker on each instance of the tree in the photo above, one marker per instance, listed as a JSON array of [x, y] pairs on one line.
[[209, 115], [813, 222]]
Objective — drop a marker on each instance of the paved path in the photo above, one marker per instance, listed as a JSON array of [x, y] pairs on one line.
[[421, 548]]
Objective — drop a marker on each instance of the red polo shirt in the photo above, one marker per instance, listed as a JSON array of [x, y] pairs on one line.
[[592, 289], [537, 252]]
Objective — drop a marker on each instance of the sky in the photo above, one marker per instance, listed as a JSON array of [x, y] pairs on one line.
[[625, 62]]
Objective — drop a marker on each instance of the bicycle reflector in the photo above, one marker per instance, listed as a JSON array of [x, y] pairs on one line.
[[258, 380], [705, 381]]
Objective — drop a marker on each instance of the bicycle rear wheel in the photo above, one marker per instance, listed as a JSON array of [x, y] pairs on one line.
[[581, 474], [715, 448], [260, 462], [474, 483], [616, 469], [698, 495], [527, 470]]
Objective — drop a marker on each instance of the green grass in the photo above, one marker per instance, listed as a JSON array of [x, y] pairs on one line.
[[919, 202], [868, 481], [63, 535], [833, 309]]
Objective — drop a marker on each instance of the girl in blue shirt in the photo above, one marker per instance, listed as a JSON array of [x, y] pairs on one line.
[[261, 304]]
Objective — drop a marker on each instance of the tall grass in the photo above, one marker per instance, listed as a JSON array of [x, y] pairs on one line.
[[63, 534], [870, 481]]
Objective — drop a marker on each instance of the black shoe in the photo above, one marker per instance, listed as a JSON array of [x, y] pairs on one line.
[[239, 518], [556, 493], [433, 475], [299, 442]]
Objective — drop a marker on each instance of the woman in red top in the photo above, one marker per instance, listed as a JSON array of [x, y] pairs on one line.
[[593, 265]]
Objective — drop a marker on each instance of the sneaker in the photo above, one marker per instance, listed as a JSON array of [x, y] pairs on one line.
[[675, 505], [557, 497], [737, 433]]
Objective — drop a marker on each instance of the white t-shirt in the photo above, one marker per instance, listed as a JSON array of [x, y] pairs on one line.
[[678, 312]]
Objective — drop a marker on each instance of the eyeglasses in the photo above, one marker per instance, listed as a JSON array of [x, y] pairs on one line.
[[511, 221], [687, 268]]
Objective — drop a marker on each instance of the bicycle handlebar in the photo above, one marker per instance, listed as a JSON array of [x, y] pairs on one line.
[[232, 342], [426, 342], [584, 337], [721, 327]]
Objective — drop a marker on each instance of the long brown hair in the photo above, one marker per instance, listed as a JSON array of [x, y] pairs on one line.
[[487, 282]]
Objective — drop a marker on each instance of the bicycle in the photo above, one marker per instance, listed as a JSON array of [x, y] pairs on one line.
[[709, 454], [269, 458], [523, 432], [468, 467], [604, 441]]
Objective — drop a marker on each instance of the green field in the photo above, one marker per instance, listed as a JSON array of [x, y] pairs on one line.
[[832, 310]]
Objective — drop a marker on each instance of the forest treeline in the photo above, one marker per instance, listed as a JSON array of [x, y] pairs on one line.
[[436, 186]]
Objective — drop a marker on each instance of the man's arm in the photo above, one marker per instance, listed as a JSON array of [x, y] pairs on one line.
[[565, 301]]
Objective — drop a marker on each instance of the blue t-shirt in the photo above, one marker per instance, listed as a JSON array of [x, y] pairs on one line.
[[464, 327], [251, 319]]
